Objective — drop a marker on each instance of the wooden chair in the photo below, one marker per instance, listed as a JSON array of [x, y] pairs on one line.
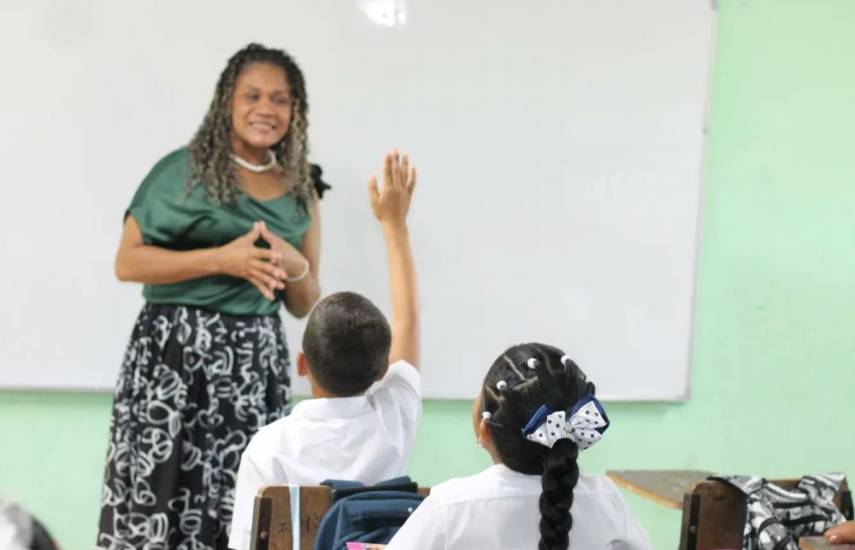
[[714, 514], [272, 521]]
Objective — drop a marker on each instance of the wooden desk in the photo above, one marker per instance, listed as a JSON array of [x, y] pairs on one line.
[[820, 543], [666, 487]]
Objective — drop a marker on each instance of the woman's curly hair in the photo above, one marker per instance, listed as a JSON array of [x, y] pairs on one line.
[[210, 150]]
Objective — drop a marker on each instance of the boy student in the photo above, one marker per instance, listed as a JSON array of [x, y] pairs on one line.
[[348, 431]]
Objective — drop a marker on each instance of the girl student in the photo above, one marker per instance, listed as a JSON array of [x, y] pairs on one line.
[[535, 413]]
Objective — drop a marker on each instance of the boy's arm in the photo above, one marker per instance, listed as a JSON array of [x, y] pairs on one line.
[[405, 300], [391, 205]]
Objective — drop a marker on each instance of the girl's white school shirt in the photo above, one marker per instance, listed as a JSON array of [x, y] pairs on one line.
[[498, 509]]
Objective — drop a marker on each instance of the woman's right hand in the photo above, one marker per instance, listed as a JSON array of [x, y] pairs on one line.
[[241, 258]]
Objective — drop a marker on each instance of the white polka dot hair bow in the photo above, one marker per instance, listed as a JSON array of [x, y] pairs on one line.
[[586, 424]]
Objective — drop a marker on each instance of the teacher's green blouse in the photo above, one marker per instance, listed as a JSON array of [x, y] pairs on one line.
[[172, 218]]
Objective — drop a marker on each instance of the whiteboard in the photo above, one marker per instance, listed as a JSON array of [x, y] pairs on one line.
[[559, 145]]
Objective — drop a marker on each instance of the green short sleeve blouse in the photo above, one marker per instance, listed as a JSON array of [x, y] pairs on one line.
[[170, 217]]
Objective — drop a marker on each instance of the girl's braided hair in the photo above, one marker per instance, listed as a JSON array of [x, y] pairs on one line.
[[511, 393]]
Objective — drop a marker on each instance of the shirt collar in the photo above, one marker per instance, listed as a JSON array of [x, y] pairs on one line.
[[503, 472], [327, 408]]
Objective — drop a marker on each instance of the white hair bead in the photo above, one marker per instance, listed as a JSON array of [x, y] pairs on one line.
[[565, 360], [486, 415], [532, 363], [501, 385]]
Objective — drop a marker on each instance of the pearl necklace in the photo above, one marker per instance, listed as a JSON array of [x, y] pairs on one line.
[[257, 168]]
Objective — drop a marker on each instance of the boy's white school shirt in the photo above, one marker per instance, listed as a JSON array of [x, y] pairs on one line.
[[366, 438], [498, 509]]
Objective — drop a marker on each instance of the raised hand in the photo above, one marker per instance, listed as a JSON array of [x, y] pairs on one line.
[[391, 203]]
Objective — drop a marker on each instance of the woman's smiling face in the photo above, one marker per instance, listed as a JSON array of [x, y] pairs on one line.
[[261, 108]]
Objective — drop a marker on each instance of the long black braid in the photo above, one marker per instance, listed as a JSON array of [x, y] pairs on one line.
[[512, 392]]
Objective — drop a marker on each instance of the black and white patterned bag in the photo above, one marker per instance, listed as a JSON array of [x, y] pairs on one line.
[[777, 517]]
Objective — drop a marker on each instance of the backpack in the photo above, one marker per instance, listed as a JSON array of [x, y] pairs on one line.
[[366, 514], [777, 517]]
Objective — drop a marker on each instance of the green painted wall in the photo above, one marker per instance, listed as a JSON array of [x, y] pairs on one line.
[[773, 388]]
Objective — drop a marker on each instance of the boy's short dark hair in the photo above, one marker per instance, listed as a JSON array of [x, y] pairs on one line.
[[346, 342]]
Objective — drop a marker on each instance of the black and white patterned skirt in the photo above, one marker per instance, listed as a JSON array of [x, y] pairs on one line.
[[193, 388]]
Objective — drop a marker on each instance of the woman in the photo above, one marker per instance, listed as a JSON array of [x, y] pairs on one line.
[[219, 232]]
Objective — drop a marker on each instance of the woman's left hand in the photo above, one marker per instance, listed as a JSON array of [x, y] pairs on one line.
[[300, 265], [291, 260]]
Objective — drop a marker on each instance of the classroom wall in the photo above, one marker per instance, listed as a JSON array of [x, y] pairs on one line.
[[774, 338]]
